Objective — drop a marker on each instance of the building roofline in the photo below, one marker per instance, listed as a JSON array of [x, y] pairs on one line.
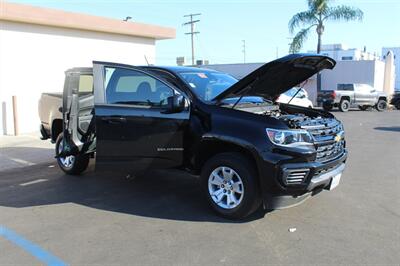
[[62, 19]]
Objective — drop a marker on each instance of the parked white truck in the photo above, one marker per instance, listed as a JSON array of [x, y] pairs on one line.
[[362, 96]]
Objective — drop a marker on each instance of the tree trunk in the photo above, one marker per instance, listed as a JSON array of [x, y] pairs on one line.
[[319, 43], [319, 51]]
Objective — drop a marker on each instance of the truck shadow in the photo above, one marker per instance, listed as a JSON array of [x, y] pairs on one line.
[[173, 195], [392, 129]]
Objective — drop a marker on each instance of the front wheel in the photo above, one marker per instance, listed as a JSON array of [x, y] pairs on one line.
[[72, 165], [344, 105], [381, 105], [229, 182]]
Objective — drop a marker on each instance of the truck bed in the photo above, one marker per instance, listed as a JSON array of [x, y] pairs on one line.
[[49, 105]]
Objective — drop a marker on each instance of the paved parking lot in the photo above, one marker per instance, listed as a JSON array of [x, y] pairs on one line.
[[160, 219]]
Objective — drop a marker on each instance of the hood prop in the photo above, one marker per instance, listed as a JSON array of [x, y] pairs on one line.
[[300, 87]]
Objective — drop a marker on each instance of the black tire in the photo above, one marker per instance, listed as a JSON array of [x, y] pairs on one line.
[[327, 107], [363, 107], [398, 106], [250, 200], [79, 164], [381, 105], [344, 105]]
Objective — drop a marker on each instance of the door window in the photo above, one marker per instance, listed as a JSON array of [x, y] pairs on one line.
[[126, 86]]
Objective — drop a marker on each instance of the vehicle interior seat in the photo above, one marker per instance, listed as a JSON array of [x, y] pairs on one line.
[[143, 92]]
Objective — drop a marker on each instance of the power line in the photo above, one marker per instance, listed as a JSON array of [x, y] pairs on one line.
[[192, 32]]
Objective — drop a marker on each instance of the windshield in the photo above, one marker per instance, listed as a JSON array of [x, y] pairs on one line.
[[208, 84]]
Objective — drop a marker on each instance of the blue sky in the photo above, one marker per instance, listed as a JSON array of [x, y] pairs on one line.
[[263, 24]]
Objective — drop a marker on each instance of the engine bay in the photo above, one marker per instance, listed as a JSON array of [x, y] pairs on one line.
[[291, 118]]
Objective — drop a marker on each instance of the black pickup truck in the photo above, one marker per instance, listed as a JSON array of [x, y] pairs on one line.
[[248, 150]]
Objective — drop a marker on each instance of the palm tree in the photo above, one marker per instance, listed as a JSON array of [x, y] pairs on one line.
[[319, 12]]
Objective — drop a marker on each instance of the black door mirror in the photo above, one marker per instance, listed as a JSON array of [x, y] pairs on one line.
[[175, 104]]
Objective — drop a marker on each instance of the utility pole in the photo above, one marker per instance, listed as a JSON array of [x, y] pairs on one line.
[[192, 32], [244, 51]]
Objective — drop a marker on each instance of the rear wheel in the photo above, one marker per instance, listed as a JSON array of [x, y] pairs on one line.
[[344, 105], [381, 105], [72, 165], [230, 184]]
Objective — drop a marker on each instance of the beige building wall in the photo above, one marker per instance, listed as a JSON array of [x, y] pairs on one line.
[[38, 44], [33, 59]]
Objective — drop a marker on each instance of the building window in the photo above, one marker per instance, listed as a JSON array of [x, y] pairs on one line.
[[347, 58]]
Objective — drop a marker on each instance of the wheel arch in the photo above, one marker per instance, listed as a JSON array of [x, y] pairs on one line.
[[56, 129], [345, 98], [210, 148], [382, 98]]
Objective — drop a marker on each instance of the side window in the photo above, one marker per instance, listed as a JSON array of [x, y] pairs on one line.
[[125, 86], [345, 87], [85, 85]]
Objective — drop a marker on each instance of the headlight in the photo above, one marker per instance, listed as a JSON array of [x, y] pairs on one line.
[[289, 138]]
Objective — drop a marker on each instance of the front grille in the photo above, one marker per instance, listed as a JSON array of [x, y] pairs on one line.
[[329, 146], [327, 152]]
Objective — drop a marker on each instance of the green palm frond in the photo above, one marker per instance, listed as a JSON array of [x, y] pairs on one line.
[[345, 13], [299, 39], [318, 6], [318, 12], [302, 18]]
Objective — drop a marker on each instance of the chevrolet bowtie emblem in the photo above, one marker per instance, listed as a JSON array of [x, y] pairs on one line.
[[338, 138]]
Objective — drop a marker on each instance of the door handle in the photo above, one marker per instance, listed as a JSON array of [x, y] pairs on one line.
[[114, 119]]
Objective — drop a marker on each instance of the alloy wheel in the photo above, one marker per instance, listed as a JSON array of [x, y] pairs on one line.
[[225, 187], [67, 161]]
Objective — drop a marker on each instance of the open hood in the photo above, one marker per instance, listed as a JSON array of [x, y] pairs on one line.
[[278, 76]]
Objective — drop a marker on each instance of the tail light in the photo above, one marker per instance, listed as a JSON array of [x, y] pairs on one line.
[[333, 95]]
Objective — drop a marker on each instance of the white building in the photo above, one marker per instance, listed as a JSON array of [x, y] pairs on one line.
[[38, 44], [346, 71], [341, 52], [396, 53], [236, 70], [369, 72]]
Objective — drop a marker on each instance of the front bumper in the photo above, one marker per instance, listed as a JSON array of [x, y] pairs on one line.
[[318, 177]]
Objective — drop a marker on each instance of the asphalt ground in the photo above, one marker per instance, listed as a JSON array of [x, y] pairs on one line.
[[161, 219]]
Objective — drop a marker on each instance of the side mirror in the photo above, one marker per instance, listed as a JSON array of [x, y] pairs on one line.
[[175, 104]]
